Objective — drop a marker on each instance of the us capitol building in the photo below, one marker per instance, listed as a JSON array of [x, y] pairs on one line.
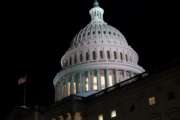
[[101, 80], [99, 57]]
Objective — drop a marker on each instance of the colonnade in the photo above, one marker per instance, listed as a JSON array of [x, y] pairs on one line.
[[88, 82]]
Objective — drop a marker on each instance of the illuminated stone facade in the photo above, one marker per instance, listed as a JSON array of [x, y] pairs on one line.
[[99, 57]]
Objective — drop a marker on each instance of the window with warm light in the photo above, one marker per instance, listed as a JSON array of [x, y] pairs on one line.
[[110, 81], [113, 114], [69, 86], [102, 82], [74, 85], [86, 84], [94, 83], [100, 117], [152, 100]]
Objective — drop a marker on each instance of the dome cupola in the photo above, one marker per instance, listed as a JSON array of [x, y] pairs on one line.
[[99, 57]]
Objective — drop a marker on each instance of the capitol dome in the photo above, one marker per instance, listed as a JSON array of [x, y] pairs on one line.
[[99, 57]]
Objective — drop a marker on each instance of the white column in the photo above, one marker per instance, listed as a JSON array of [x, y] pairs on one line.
[[72, 85], [81, 83], [66, 86], [106, 78], [89, 81], [116, 76], [98, 80]]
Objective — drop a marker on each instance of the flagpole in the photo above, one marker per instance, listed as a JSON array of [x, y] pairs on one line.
[[24, 96]]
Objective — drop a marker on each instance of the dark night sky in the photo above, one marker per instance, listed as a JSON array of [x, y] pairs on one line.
[[36, 34]]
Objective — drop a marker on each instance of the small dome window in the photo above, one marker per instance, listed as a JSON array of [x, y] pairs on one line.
[[94, 55], [115, 55], [93, 32], [109, 32], [87, 56], [99, 32], [114, 34], [104, 32], [101, 54], [108, 54]]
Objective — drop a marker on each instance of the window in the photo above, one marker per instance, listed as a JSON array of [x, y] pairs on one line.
[[102, 82], [121, 56], [87, 56], [94, 55], [81, 57], [126, 58], [152, 100], [100, 117], [69, 88], [115, 55], [95, 83], [86, 84], [113, 114], [110, 80], [101, 54], [74, 85], [108, 54]]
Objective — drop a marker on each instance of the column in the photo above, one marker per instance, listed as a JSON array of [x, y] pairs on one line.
[[60, 90], [106, 78], [77, 84], [66, 87], [89, 80], [98, 80], [116, 76], [83, 79], [72, 85], [81, 83]]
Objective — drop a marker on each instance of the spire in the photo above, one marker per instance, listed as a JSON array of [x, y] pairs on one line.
[[96, 4]]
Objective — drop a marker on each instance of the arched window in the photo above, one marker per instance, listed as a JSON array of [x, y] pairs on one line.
[[115, 55], [101, 54], [87, 56], [108, 54], [81, 57], [126, 58], [94, 55], [121, 56]]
